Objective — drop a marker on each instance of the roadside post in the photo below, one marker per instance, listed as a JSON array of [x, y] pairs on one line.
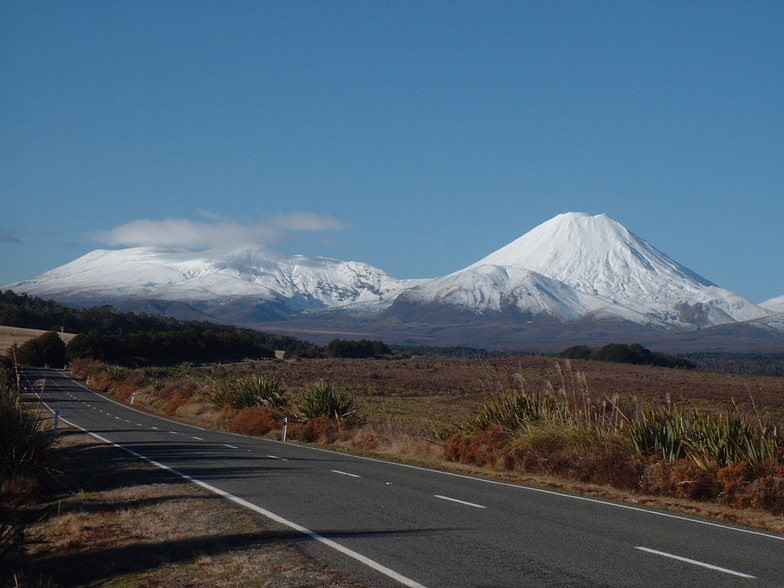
[[285, 426]]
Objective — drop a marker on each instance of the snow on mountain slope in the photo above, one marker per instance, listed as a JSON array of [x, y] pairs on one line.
[[153, 273], [597, 255], [574, 266], [774, 304], [490, 288]]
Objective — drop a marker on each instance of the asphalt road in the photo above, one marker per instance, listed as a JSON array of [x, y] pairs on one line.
[[390, 524]]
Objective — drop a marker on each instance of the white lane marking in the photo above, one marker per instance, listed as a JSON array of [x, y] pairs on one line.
[[545, 491], [475, 479], [127, 421], [264, 512], [155, 428], [197, 438], [459, 501], [139, 425], [230, 446], [173, 433], [279, 458], [345, 474], [118, 418], [695, 562]]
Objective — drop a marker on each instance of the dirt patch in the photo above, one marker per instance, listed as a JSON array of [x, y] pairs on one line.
[[108, 519]]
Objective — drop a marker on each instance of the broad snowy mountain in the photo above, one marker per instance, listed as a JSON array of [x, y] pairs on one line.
[[774, 304], [573, 274], [290, 284]]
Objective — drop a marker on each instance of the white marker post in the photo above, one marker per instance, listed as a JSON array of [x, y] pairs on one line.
[[133, 397], [285, 426]]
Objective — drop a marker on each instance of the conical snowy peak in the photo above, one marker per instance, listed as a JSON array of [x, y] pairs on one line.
[[597, 255]]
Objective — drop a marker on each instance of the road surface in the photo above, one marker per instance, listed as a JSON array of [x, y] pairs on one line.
[[383, 523]]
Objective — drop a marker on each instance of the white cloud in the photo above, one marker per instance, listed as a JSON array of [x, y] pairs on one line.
[[215, 232], [306, 221]]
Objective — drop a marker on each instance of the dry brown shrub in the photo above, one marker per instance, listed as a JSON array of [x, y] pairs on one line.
[[656, 478], [691, 481], [365, 439], [122, 390], [611, 467], [767, 493], [255, 420], [174, 403], [321, 430], [733, 479], [186, 389], [481, 449], [524, 459]]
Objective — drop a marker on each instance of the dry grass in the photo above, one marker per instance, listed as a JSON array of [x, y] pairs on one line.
[[412, 407], [17, 335], [136, 525]]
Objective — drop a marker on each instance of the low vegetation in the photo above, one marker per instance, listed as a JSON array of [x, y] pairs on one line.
[[522, 415], [621, 353], [24, 452]]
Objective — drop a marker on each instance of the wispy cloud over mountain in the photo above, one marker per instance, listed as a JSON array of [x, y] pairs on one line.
[[216, 231]]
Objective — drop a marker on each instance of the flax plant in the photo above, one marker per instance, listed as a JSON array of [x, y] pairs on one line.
[[321, 398]]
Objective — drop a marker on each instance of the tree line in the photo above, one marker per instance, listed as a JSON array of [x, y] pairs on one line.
[[622, 353]]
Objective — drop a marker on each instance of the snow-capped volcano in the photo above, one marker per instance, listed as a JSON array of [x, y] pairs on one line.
[[598, 256], [575, 269], [299, 282]]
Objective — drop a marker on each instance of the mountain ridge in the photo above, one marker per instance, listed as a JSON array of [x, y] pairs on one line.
[[575, 269]]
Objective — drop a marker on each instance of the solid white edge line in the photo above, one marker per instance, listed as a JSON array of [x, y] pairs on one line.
[[346, 474], [550, 492], [382, 569], [696, 562], [475, 479], [459, 501]]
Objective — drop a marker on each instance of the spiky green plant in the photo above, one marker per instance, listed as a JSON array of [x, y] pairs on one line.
[[656, 432], [258, 391], [322, 399], [706, 439], [517, 411]]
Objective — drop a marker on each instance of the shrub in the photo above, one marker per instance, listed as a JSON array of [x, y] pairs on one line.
[[23, 442], [257, 391], [255, 420], [322, 399], [705, 439], [515, 411]]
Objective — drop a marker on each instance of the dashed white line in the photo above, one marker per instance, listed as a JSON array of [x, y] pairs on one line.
[[155, 428], [230, 446], [276, 457], [197, 438], [459, 501], [173, 433], [346, 474], [695, 562]]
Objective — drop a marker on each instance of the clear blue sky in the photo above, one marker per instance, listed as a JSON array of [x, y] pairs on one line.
[[415, 136]]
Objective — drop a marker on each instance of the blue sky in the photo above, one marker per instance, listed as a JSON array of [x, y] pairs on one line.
[[415, 136]]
